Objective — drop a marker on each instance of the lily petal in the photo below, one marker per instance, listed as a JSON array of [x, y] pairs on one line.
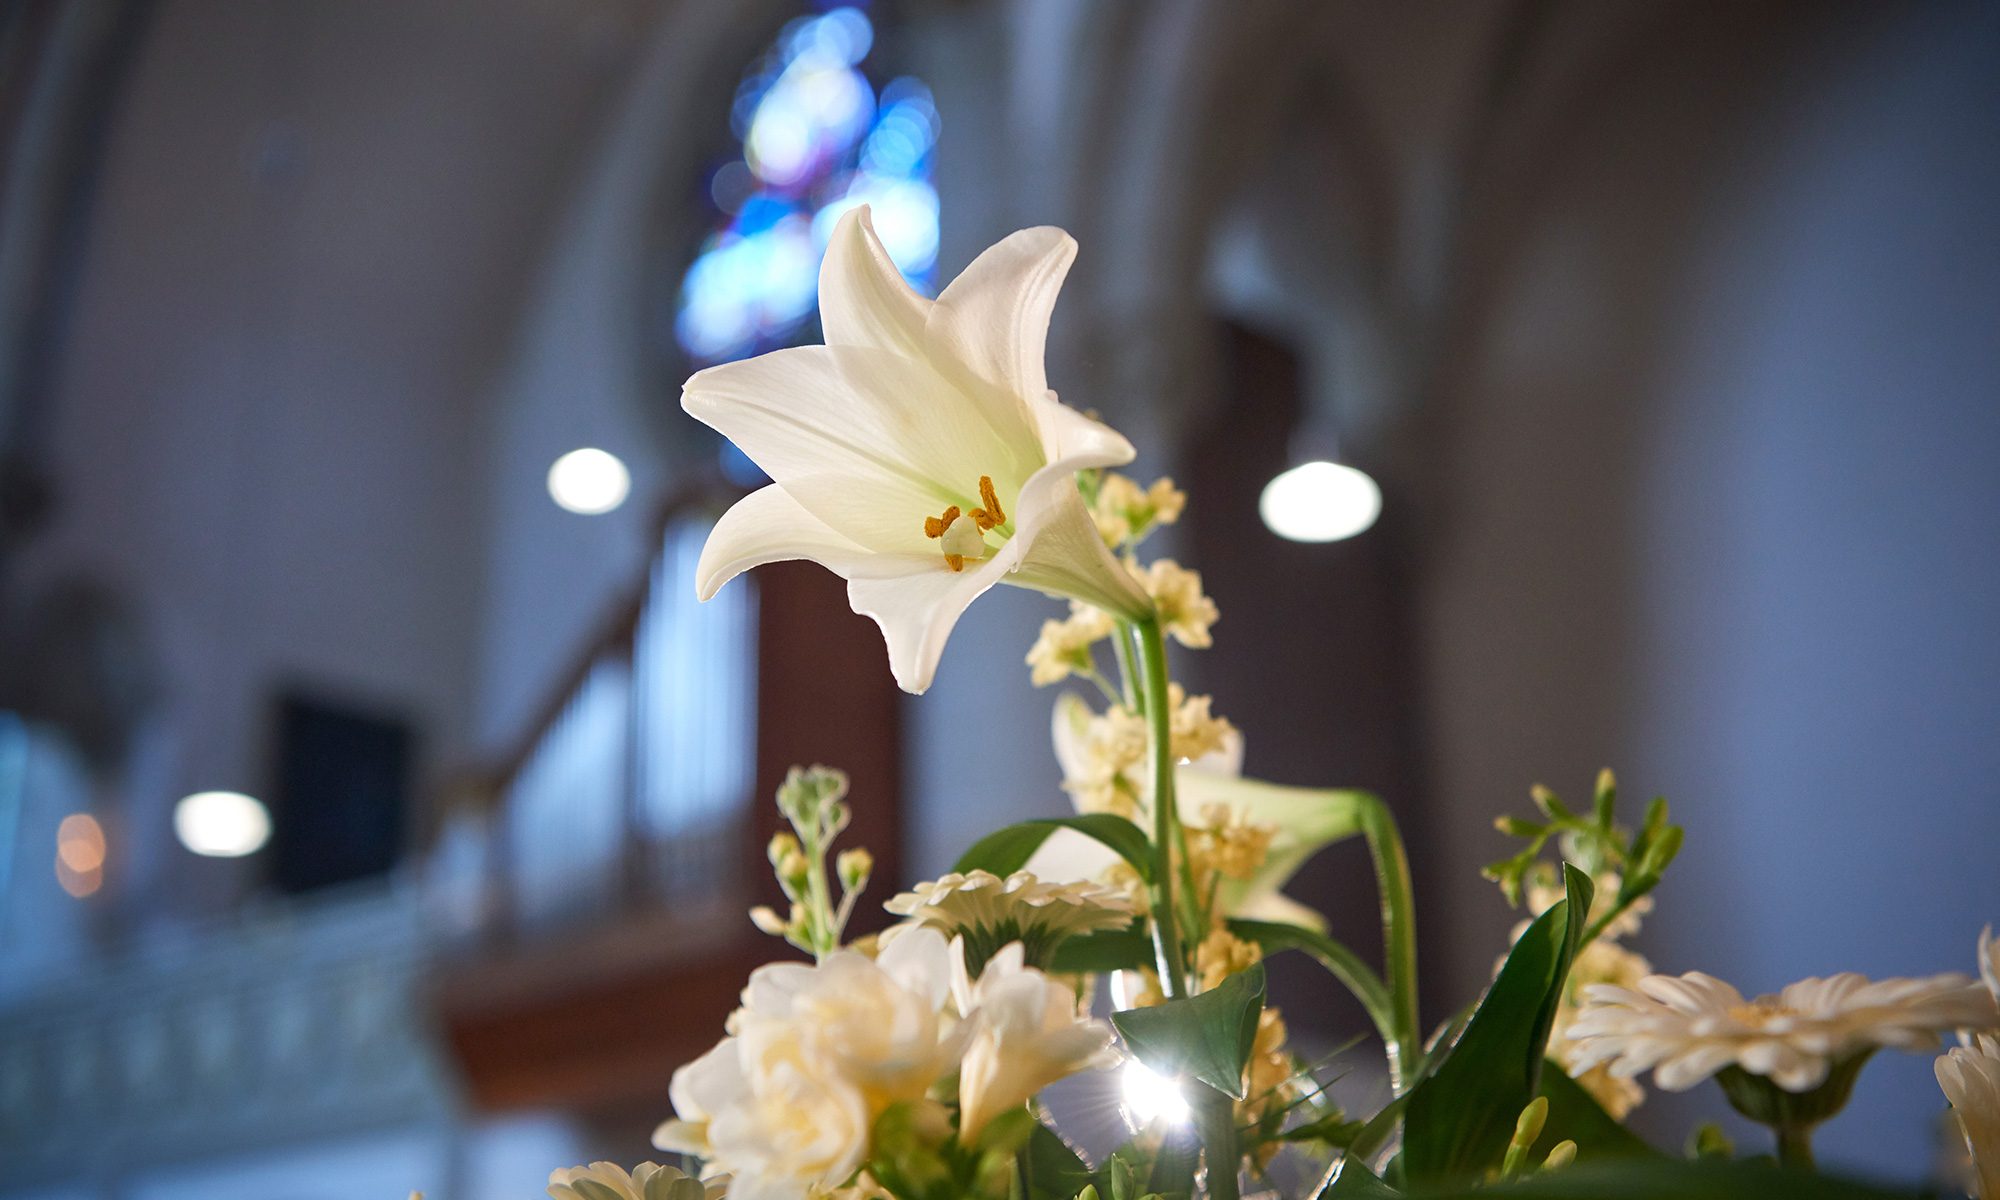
[[863, 298], [994, 317], [860, 437], [918, 608], [769, 526]]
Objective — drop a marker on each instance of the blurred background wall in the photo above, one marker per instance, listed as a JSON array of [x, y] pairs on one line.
[[1667, 328]]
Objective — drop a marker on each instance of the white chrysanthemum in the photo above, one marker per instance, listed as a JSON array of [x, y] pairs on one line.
[[991, 912], [1685, 1029], [1027, 1033], [1970, 1077], [786, 1102], [647, 1181]]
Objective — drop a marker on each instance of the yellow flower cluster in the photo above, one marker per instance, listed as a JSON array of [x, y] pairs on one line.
[[1125, 513], [1064, 647], [1186, 612]]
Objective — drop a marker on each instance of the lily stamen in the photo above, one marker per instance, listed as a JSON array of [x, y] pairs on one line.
[[967, 541]]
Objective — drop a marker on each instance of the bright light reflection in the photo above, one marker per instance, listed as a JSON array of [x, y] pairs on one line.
[[589, 481], [221, 824], [1151, 1097], [80, 843], [1320, 502]]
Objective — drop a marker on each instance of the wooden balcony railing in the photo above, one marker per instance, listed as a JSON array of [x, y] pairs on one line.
[[624, 836]]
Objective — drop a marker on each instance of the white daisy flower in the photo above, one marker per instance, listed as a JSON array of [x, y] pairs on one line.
[[1970, 1077], [647, 1181], [991, 912], [1685, 1029]]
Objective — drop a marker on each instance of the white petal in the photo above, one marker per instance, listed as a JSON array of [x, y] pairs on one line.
[[1070, 857], [1070, 437], [994, 318], [918, 609], [869, 442], [769, 526], [1069, 727], [1063, 554], [863, 299]]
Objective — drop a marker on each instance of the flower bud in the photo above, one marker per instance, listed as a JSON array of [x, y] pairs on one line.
[[793, 868], [1528, 1126], [1561, 1156], [783, 846], [854, 866], [767, 919], [1551, 805]]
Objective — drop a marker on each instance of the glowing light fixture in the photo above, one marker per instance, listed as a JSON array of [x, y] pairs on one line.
[[222, 824], [1151, 1096], [80, 854], [589, 481], [1320, 501]]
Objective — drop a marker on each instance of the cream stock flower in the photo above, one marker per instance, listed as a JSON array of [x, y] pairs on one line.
[[1185, 610], [786, 1102], [647, 1181], [1686, 1028], [919, 453], [1125, 512], [1063, 649], [1026, 1034], [1970, 1077]]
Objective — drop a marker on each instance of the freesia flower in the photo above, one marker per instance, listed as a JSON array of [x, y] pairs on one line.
[[1026, 1034], [647, 1181], [919, 453], [1685, 1029], [1970, 1077], [786, 1102]]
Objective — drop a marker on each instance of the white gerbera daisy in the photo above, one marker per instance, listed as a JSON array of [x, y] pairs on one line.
[[1970, 1077], [990, 911], [647, 1181], [1686, 1029]]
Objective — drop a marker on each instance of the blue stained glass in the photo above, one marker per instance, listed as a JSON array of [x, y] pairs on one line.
[[818, 138]]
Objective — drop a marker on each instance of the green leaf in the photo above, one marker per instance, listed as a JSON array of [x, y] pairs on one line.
[[1575, 1115], [1103, 952], [1352, 1180], [1461, 1117], [1207, 1037], [1669, 1179], [1344, 964], [1055, 1168], [1008, 850]]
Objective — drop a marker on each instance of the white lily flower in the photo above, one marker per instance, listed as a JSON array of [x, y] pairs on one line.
[[919, 453]]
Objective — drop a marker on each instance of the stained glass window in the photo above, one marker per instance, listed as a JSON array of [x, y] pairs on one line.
[[817, 137]]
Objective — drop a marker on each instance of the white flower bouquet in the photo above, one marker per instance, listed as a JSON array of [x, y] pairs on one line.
[[920, 455]]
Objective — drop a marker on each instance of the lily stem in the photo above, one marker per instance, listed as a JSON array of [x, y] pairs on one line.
[[1399, 937], [1170, 960]]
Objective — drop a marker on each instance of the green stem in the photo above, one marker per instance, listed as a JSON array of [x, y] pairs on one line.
[[1128, 667], [1172, 963], [1399, 937], [1215, 1119], [1795, 1146]]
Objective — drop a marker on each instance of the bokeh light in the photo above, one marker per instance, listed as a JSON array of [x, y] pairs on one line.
[[1320, 502], [221, 824], [817, 140], [589, 481], [80, 850]]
